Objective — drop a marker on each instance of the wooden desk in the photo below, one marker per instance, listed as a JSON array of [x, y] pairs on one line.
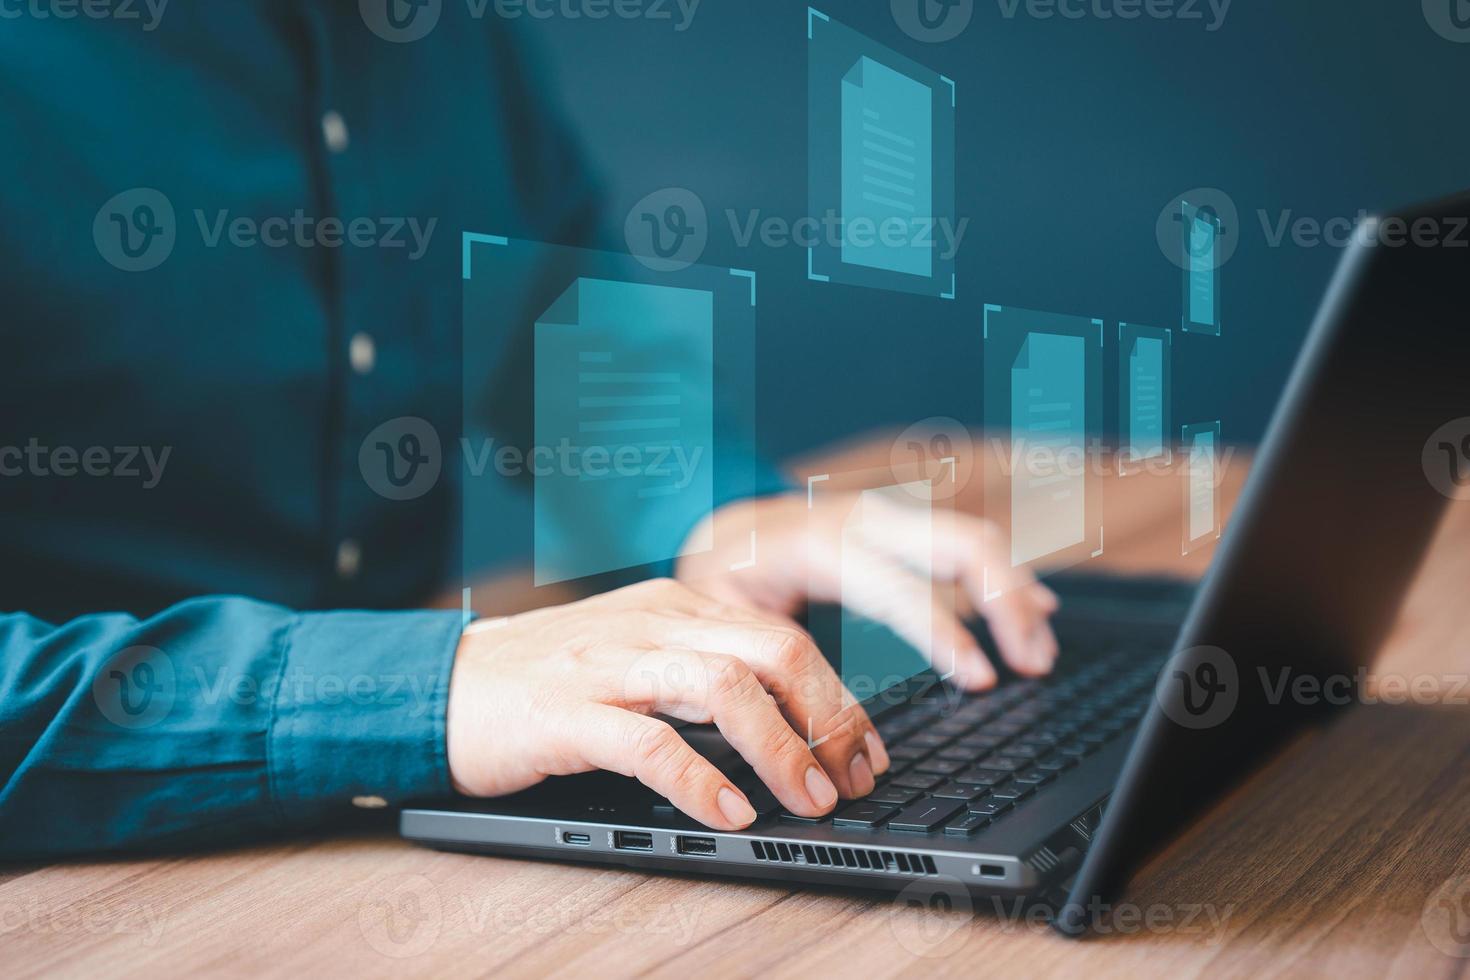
[[1322, 864]]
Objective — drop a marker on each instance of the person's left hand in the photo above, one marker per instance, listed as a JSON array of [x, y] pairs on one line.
[[798, 558]]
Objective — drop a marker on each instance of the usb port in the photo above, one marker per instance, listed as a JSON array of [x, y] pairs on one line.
[[695, 845], [632, 840], [582, 840]]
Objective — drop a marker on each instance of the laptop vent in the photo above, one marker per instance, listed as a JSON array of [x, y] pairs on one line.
[[854, 858], [1044, 859]]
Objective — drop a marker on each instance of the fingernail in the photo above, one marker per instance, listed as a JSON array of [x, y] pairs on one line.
[[861, 775], [734, 807], [876, 751], [820, 788]]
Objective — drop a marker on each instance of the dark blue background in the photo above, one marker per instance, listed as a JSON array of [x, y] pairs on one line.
[[1072, 136]]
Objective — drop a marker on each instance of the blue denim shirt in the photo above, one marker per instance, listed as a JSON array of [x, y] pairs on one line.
[[182, 515]]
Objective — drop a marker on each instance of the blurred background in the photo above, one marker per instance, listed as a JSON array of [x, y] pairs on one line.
[[1072, 136]]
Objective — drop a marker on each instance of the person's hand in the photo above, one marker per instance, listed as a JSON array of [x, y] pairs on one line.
[[799, 557], [571, 688]]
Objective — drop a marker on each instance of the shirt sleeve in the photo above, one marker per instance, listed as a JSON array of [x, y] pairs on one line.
[[217, 719]]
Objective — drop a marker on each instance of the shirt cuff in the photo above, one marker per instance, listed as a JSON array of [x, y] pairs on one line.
[[360, 707]]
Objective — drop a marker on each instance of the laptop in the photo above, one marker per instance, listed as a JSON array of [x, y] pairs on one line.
[[1166, 694]]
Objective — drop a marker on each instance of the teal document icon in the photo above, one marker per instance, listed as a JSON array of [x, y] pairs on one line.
[[887, 170], [1146, 398], [623, 461], [1201, 484], [1202, 242], [1048, 445]]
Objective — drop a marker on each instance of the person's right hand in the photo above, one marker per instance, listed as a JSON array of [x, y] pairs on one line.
[[571, 688]]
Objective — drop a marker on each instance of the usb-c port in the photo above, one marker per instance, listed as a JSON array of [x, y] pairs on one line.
[[581, 840], [703, 846], [632, 840]]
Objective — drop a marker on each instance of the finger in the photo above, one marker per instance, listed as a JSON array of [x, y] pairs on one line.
[[887, 592], [725, 690], [651, 751], [808, 692], [829, 719], [1015, 606]]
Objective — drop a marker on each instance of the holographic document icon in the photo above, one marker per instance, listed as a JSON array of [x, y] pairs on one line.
[[1048, 446], [624, 423], [888, 168]]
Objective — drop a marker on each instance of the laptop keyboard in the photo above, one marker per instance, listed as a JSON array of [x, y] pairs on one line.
[[958, 767]]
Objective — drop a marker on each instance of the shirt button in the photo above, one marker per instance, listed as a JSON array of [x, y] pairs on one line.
[[369, 802], [362, 352], [334, 131], [349, 558]]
